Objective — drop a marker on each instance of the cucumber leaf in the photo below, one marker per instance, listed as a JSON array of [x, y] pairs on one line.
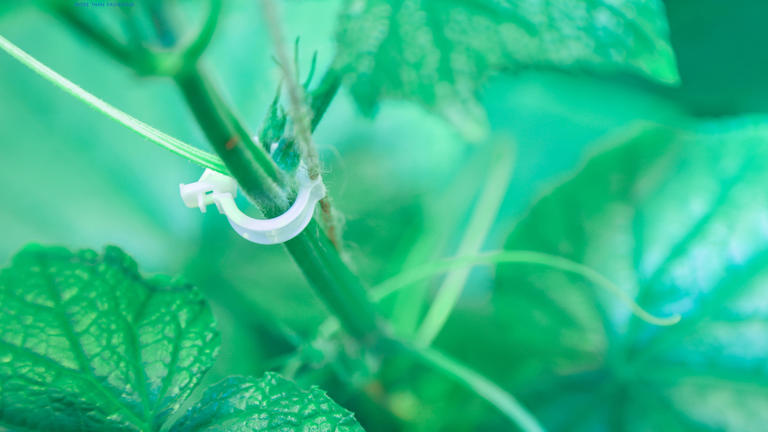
[[677, 218], [438, 53], [271, 403], [87, 344]]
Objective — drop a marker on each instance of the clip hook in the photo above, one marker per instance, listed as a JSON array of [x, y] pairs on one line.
[[216, 188]]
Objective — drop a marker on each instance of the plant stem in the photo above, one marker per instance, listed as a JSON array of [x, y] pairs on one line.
[[408, 278], [270, 189], [476, 383], [321, 264], [297, 100], [260, 178], [93, 32], [341, 289], [483, 216], [320, 98], [410, 304], [301, 114]]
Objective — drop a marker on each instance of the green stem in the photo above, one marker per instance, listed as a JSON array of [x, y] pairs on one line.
[[173, 62], [249, 163], [99, 36], [341, 289], [476, 383], [409, 306], [410, 277], [483, 216], [321, 264], [320, 98], [297, 106], [300, 114]]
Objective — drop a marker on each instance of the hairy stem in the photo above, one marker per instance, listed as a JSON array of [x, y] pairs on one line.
[[301, 115], [297, 101], [335, 283], [341, 289], [249, 164]]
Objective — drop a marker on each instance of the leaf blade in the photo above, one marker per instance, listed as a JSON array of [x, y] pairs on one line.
[[270, 403], [676, 218], [88, 332], [439, 53]]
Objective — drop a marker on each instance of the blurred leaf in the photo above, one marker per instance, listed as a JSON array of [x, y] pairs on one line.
[[721, 72], [245, 278], [88, 344], [271, 403], [438, 53], [8, 6], [677, 218]]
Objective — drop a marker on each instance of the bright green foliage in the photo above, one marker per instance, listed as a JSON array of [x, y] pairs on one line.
[[268, 404], [87, 344], [438, 52], [677, 218]]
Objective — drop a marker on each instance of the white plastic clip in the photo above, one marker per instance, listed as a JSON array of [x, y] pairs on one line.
[[220, 189]]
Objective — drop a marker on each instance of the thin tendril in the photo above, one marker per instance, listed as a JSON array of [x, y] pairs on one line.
[[162, 139], [479, 384], [409, 277], [483, 216]]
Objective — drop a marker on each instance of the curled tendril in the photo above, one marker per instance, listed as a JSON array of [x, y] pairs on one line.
[[409, 277]]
